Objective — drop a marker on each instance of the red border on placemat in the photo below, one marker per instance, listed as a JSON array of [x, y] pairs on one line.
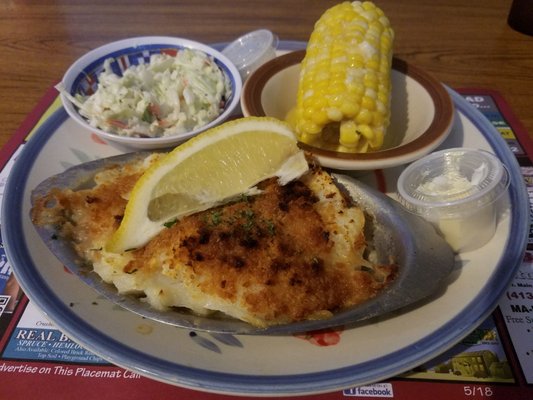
[[27, 125], [507, 113]]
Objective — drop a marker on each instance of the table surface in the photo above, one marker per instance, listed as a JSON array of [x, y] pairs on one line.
[[461, 43]]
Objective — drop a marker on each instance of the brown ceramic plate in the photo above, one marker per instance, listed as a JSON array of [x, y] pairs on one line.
[[422, 112]]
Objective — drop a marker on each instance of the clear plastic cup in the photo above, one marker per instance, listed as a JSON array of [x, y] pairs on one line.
[[252, 50], [458, 190]]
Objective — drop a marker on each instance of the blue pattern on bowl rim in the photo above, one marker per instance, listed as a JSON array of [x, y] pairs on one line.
[[82, 77]]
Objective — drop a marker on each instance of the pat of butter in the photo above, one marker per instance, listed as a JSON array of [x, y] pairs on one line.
[[452, 182], [466, 233], [457, 190], [473, 226]]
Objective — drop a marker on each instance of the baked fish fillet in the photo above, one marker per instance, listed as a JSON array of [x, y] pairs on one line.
[[292, 253]]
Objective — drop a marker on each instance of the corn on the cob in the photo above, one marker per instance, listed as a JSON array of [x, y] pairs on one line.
[[345, 82]]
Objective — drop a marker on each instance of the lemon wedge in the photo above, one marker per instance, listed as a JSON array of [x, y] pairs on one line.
[[208, 170]]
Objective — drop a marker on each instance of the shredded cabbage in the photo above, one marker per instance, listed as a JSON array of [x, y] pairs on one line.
[[167, 96]]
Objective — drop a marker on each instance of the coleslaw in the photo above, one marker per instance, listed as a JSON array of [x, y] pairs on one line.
[[167, 96]]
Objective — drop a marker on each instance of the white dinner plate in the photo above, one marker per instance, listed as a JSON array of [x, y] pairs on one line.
[[261, 365]]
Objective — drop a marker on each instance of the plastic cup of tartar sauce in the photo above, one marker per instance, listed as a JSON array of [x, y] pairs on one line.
[[458, 191], [252, 50]]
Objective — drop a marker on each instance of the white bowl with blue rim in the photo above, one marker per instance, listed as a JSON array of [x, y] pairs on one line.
[[82, 78]]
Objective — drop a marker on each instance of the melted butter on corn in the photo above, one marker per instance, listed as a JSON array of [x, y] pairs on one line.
[[344, 90]]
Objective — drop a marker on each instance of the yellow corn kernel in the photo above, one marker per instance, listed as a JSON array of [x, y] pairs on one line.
[[320, 117], [350, 109], [334, 114], [368, 103], [345, 78], [364, 117], [348, 135], [365, 131]]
